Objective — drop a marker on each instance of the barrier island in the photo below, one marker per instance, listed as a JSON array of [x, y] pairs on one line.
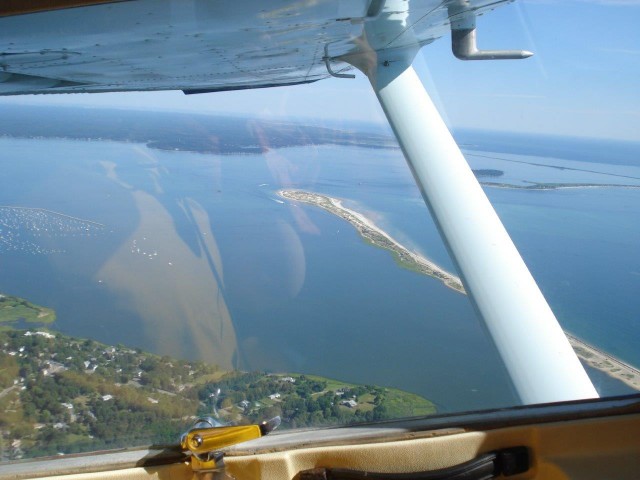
[[376, 236], [589, 354], [605, 362]]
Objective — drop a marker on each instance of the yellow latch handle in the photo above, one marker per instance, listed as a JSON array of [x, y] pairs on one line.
[[204, 440]]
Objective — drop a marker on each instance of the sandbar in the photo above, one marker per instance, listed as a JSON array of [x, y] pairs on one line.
[[378, 237]]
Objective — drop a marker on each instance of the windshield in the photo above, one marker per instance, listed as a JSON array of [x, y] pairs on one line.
[[261, 253]]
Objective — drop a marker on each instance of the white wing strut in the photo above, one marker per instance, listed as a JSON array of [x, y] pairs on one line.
[[535, 350]]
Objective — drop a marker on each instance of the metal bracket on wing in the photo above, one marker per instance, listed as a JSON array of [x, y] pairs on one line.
[[463, 37], [327, 61]]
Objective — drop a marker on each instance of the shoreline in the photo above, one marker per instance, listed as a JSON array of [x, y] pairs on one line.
[[591, 355], [378, 237], [605, 362], [555, 186]]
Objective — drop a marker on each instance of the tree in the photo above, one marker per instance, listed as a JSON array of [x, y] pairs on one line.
[[380, 412]]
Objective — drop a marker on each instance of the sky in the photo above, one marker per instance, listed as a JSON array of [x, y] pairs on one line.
[[582, 80]]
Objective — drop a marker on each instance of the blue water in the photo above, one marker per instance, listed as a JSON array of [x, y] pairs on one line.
[[582, 247], [303, 291]]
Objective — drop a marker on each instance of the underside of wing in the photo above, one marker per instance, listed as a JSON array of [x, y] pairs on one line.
[[201, 45]]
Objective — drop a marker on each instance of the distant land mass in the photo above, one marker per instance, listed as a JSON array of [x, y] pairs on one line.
[[556, 186], [225, 134], [178, 131], [487, 172], [61, 394], [529, 185], [582, 149], [493, 173]]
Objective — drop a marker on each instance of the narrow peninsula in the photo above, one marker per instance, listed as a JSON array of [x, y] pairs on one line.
[[605, 362], [589, 354], [555, 186], [378, 237], [13, 309]]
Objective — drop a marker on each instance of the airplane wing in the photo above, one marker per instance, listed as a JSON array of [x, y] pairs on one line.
[[69, 46]]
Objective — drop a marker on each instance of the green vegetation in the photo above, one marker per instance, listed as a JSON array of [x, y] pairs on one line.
[[60, 394], [13, 309], [308, 400], [487, 172]]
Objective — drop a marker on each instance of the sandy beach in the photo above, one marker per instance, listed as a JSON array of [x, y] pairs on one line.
[[374, 234], [600, 360], [591, 355]]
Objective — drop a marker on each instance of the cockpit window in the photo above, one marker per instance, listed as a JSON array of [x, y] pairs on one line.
[[258, 253]]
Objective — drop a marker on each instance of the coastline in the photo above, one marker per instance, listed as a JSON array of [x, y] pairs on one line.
[[605, 362], [378, 237], [591, 355], [555, 186]]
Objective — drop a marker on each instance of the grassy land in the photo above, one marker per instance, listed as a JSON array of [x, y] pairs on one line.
[[397, 403], [13, 309], [404, 404], [331, 383]]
